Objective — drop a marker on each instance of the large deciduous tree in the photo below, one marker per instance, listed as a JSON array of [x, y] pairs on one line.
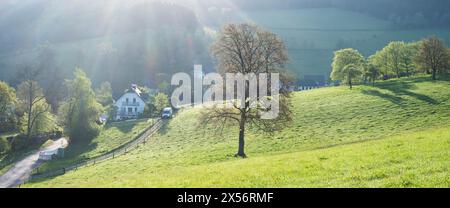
[[81, 110], [33, 104], [396, 58], [380, 60], [407, 54], [371, 73], [248, 49], [433, 56], [352, 72], [347, 65]]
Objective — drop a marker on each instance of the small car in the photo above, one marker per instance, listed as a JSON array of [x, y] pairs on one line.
[[167, 113]]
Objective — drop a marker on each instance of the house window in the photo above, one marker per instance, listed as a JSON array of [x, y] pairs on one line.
[[135, 110], [126, 100], [134, 100], [130, 110]]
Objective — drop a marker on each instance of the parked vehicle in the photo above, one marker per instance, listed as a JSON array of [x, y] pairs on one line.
[[51, 154], [47, 155], [167, 113]]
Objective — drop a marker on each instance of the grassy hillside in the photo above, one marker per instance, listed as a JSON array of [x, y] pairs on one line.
[[411, 160], [111, 137], [326, 124]]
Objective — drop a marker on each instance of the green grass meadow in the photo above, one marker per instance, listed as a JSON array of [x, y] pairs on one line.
[[111, 137], [396, 134]]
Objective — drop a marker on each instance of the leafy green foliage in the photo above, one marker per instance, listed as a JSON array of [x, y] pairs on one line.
[[4, 146], [347, 65], [160, 102], [104, 94], [44, 122], [81, 110], [396, 58], [37, 117], [8, 101], [371, 73], [351, 71]]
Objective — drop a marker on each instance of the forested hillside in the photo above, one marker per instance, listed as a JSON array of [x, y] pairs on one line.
[[111, 40], [145, 42]]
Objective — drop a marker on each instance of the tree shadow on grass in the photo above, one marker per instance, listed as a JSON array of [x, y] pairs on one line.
[[403, 88], [391, 98], [78, 148]]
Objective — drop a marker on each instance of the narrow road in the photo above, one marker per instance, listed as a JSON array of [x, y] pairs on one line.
[[22, 169]]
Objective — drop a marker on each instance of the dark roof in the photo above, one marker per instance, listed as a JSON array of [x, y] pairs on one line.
[[133, 89]]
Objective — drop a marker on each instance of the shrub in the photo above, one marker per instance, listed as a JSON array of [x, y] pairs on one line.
[[19, 142], [4, 146]]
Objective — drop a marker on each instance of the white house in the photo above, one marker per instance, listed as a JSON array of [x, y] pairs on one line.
[[130, 105]]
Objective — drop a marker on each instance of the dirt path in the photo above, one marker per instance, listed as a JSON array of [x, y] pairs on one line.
[[22, 169]]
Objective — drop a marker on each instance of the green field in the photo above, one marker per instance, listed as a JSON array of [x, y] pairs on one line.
[[111, 137], [395, 134]]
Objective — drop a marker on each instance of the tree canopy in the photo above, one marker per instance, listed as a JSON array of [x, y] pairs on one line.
[[433, 55], [347, 64], [395, 59], [161, 101], [36, 111], [248, 49], [81, 110]]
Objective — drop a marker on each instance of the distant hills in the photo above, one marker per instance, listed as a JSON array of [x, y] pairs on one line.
[[145, 42]]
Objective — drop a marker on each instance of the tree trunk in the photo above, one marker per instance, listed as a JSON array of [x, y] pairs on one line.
[[30, 110], [434, 74], [241, 152], [407, 69], [350, 83]]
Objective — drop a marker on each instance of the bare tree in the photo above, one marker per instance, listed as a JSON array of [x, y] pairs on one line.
[[248, 49], [30, 95], [32, 98], [433, 55]]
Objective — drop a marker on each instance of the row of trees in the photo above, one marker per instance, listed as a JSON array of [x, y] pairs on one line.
[[26, 109], [397, 59]]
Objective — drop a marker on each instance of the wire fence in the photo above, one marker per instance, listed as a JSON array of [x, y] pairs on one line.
[[140, 139]]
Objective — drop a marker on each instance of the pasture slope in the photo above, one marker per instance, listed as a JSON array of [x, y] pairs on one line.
[[395, 134]]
